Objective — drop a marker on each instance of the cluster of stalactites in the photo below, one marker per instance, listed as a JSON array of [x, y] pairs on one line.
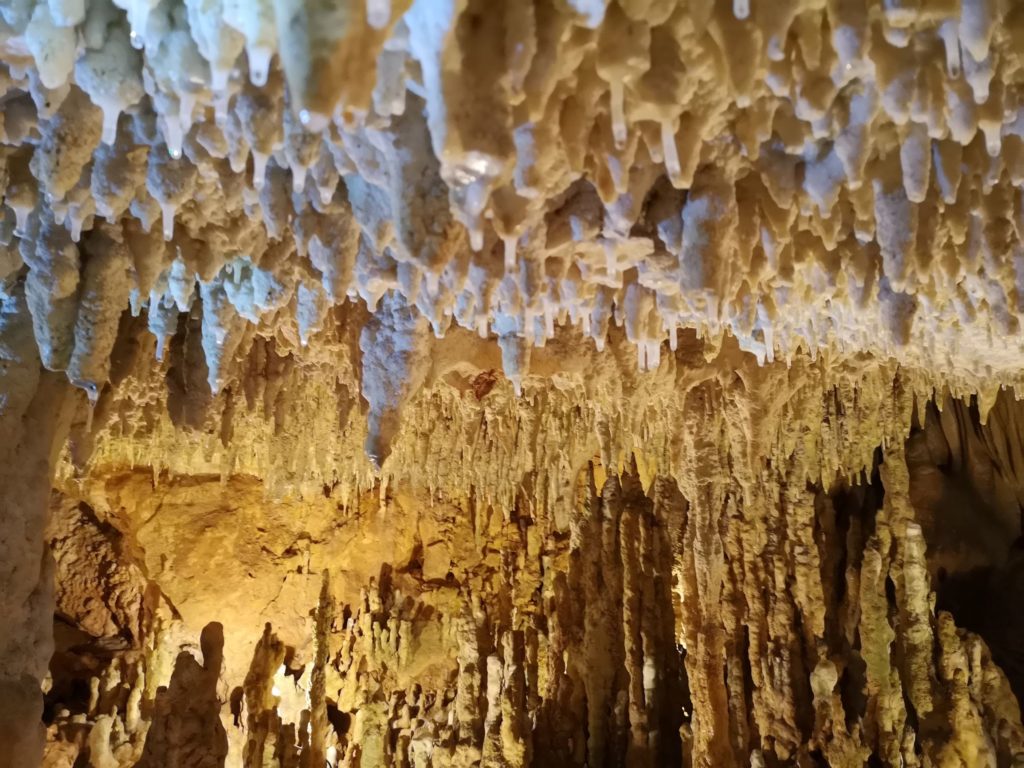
[[785, 598], [300, 427], [836, 178]]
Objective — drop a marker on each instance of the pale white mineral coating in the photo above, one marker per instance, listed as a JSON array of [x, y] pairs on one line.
[[837, 177]]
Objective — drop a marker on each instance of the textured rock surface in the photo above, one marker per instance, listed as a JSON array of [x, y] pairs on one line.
[[562, 382], [835, 177], [32, 419]]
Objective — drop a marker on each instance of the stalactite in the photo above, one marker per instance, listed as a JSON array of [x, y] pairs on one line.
[[552, 198]]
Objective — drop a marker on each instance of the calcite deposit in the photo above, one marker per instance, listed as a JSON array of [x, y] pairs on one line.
[[511, 383]]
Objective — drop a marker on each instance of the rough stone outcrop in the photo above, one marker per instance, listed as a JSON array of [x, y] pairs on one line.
[[33, 420]]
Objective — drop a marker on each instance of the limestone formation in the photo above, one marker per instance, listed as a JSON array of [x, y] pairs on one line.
[[511, 383]]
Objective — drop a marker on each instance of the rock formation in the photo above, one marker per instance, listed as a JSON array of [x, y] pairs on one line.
[[495, 383]]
